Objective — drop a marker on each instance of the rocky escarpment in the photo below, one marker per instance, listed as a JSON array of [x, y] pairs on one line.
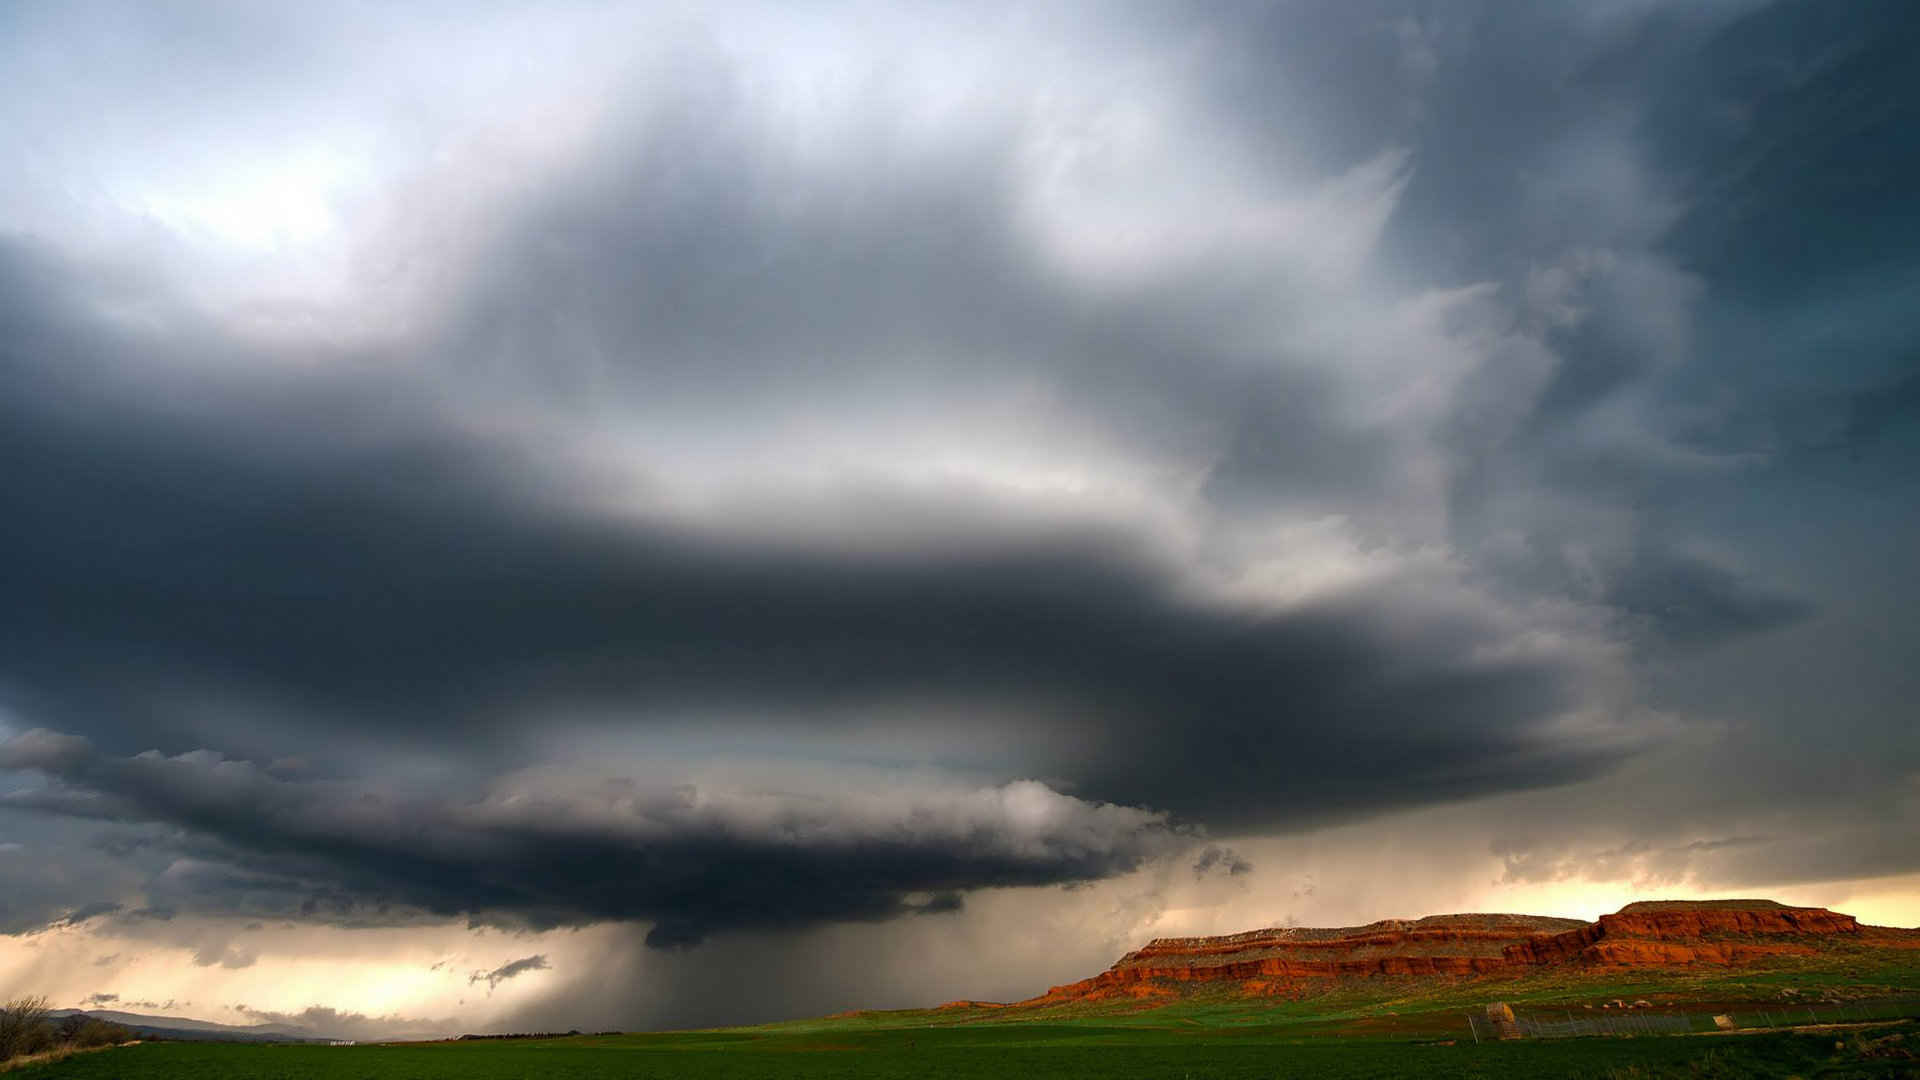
[[1281, 959], [1269, 960], [1663, 933]]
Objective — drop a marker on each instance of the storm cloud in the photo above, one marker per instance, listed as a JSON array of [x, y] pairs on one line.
[[747, 472], [542, 851]]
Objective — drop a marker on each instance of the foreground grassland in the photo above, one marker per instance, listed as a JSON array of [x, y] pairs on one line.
[[1001, 1052]]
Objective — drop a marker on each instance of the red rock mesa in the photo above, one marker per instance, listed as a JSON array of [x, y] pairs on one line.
[[1286, 960]]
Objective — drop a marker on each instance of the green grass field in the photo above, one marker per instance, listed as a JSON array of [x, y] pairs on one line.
[[1003, 1052]]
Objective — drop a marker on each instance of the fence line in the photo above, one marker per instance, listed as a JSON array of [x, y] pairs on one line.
[[1635, 1022]]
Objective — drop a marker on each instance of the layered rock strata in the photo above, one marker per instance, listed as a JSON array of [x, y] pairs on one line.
[[1661, 933]]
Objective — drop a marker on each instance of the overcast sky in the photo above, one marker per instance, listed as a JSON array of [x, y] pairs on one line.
[[637, 515]]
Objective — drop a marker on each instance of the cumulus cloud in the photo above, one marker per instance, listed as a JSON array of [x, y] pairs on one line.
[[324, 1021]]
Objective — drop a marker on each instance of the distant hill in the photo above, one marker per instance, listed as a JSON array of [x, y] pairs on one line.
[[185, 1029]]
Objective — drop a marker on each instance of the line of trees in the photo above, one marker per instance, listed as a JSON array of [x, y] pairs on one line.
[[27, 1026]]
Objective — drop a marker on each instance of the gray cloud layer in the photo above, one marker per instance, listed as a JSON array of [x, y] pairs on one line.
[[1242, 424], [546, 851]]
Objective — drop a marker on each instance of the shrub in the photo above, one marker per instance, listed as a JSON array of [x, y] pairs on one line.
[[68, 1029], [100, 1033], [24, 1028]]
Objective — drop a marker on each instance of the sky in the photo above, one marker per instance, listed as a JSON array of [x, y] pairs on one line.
[[643, 515]]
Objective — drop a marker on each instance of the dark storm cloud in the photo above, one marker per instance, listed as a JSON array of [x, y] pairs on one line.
[[1687, 601], [542, 853], [90, 911], [1790, 128], [943, 904], [59, 880], [392, 586]]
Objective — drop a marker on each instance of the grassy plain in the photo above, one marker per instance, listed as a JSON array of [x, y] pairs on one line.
[[1001, 1052]]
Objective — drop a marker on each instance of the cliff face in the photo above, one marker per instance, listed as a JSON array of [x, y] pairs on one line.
[[1277, 960], [1271, 960], [1673, 932]]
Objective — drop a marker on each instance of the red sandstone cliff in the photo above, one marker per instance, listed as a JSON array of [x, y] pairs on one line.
[[1684, 932], [1659, 933]]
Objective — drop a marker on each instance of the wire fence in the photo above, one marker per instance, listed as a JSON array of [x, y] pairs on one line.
[[1568, 1024]]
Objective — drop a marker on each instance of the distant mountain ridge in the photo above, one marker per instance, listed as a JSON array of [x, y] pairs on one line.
[[186, 1029]]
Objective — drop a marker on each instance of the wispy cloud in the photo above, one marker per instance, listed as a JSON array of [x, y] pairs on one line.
[[509, 970]]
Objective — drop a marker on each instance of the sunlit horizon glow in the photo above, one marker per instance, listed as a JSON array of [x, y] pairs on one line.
[[423, 979]]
